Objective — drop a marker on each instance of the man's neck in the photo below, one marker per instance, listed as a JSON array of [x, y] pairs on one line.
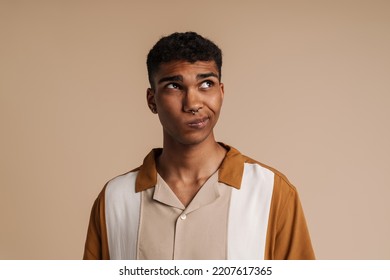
[[185, 168], [190, 162]]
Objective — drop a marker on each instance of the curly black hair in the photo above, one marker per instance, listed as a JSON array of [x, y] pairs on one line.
[[187, 46]]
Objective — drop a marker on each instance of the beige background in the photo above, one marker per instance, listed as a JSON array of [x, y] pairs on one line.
[[307, 91]]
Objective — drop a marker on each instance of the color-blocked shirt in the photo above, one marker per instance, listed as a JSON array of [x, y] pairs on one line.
[[245, 210]]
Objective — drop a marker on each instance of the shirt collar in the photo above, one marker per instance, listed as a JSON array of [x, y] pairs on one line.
[[207, 194], [230, 172]]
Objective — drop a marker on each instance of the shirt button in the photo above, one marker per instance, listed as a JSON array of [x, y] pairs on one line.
[[183, 216]]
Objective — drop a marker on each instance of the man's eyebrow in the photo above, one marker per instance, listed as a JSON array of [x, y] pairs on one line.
[[177, 78], [206, 75]]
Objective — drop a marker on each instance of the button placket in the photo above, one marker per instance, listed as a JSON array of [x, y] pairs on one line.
[[180, 230]]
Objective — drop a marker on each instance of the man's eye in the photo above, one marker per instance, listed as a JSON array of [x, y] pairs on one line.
[[206, 84], [172, 86]]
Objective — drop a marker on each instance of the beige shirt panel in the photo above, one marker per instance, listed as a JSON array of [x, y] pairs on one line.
[[172, 231]]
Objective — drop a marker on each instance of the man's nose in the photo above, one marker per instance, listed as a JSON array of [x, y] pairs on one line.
[[192, 101]]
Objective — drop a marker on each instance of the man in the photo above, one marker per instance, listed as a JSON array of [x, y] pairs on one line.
[[195, 198]]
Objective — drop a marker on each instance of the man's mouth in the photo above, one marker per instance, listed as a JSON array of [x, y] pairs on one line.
[[198, 123]]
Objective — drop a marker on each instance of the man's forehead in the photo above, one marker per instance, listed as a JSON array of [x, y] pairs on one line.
[[182, 67]]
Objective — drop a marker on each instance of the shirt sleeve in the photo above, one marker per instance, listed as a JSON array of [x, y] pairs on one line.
[[96, 245], [287, 235]]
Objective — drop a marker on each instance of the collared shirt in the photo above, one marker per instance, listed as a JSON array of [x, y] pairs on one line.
[[245, 210]]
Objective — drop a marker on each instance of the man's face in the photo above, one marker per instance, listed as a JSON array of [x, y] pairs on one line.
[[180, 89]]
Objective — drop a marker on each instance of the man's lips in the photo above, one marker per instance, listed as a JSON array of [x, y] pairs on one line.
[[198, 122]]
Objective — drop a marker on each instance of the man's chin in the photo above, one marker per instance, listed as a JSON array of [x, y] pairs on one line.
[[190, 139], [195, 141]]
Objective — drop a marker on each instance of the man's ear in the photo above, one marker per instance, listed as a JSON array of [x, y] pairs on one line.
[[222, 89], [151, 101]]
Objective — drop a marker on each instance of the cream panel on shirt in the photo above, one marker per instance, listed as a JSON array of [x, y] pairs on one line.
[[249, 212], [122, 216]]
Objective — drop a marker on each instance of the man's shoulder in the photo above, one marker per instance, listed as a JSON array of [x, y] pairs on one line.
[[137, 179], [280, 180], [119, 188], [123, 180], [278, 176], [283, 191]]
